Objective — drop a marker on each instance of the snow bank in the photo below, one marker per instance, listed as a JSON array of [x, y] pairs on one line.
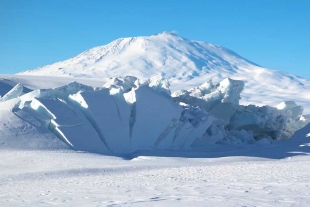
[[21, 130], [128, 115]]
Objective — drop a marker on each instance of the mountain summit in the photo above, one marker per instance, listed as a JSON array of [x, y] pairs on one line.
[[165, 53], [186, 63]]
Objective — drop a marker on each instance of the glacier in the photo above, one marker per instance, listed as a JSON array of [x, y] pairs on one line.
[[127, 115]]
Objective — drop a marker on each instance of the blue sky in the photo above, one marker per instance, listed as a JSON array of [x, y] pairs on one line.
[[272, 33]]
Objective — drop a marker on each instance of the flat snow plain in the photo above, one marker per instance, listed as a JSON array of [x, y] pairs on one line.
[[273, 175], [260, 174]]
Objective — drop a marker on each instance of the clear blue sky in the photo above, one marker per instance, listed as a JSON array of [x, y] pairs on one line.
[[272, 33]]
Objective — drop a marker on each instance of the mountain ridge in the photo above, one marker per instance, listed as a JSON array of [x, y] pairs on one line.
[[166, 42]]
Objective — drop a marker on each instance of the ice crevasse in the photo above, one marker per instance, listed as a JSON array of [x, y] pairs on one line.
[[127, 115]]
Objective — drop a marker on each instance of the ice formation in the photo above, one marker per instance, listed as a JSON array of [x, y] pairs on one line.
[[13, 93], [220, 100], [128, 115]]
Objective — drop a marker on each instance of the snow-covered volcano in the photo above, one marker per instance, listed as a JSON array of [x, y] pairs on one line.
[[165, 53], [190, 148], [186, 63]]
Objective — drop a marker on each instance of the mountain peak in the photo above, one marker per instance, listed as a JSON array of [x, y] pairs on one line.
[[169, 36], [185, 63], [165, 53], [165, 33]]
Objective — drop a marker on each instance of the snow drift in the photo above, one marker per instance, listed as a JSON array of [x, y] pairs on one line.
[[128, 115]]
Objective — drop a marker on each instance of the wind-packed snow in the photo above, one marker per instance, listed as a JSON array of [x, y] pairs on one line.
[[185, 63], [253, 175]]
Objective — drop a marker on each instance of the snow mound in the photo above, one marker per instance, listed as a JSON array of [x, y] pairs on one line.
[[21, 130], [128, 115]]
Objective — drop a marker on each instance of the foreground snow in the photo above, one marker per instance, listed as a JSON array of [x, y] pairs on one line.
[[276, 175]]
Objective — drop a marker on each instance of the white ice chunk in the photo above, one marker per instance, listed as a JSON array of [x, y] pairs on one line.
[[231, 90], [219, 100], [193, 124], [13, 93], [38, 106], [159, 84], [269, 121], [110, 115], [285, 105], [60, 112], [291, 108], [45, 121], [223, 113], [153, 113], [166, 138], [120, 85], [213, 134], [70, 126], [61, 92], [207, 95], [5, 86]]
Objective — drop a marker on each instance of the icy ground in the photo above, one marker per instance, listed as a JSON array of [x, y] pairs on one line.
[[273, 175]]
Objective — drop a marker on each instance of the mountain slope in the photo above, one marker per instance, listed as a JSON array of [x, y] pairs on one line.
[[172, 56], [186, 63]]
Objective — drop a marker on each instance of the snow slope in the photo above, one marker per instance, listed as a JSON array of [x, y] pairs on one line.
[[186, 63]]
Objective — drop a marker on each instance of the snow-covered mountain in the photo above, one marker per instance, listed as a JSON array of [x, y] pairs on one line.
[[172, 56], [185, 148], [186, 63]]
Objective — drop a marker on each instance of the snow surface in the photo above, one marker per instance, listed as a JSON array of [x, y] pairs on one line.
[[194, 147], [186, 63], [260, 175], [39, 169]]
